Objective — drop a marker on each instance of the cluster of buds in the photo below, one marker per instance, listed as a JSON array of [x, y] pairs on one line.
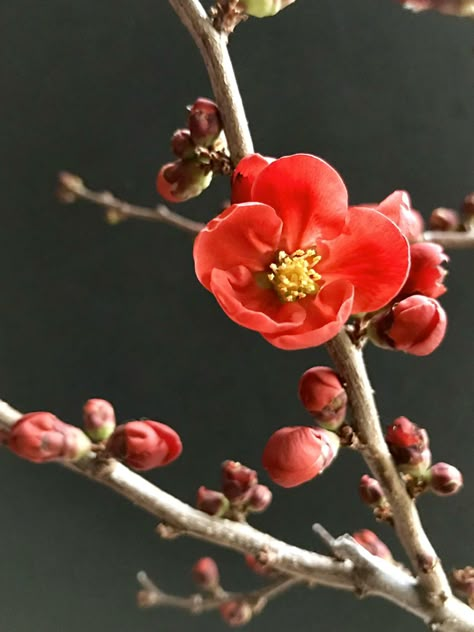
[[240, 493], [373, 544], [191, 173], [461, 8], [409, 447], [448, 219]]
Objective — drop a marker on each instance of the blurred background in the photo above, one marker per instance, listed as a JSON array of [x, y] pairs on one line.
[[90, 310]]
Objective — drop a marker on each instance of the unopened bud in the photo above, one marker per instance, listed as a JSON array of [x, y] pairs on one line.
[[409, 447], [444, 219], [41, 437], [236, 613], [205, 122], [463, 582], [258, 568], [212, 502], [263, 8], [182, 180], [461, 8], [373, 544], [415, 325], [426, 274], [182, 144], [371, 491], [260, 499], [144, 445], [468, 205], [99, 419], [237, 480], [205, 574], [245, 175], [323, 395], [445, 479]]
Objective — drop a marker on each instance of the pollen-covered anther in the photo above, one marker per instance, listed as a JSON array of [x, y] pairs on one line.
[[293, 276]]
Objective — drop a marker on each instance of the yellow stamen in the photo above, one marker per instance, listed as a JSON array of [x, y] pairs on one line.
[[293, 276]]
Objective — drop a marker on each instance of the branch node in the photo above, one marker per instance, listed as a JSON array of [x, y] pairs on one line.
[[167, 531]]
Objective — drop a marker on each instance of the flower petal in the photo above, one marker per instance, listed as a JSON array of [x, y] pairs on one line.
[[372, 254], [249, 305], [307, 194], [245, 174], [244, 234], [325, 317]]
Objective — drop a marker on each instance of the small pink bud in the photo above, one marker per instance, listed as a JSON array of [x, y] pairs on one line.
[[409, 447], [236, 613], [182, 144], [444, 219], [416, 325], [295, 455], [468, 205], [263, 8], [371, 491], [237, 480], [212, 502], [41, 437], [182, 180], [323, 395], [259, 499], [445, 479], [99, 419], [373, 544], [144, 445], [463, 582], [245, 175], [205, 122], [257, 567], [426, 274], [205, 574]]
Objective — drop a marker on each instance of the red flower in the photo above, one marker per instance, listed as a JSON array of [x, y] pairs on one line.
[[426, 275], [295, 261], [397, 207], [295, 455]]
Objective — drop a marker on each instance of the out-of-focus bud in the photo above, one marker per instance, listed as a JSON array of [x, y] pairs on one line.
[[416, 325], [212, 502], [99, 419], [445, 479], [468, 205], [237, 480], [370, 491], [245, 175], [463, 582], [205, 574], [444, 219], [397, 207], [182, 144], [144, 444], [295, 455], [204, 122], [264, 570], [409, 447], [373, 544], [182, 180], [461, 8], [259, 499], [236, 613], [41, 437], [323, 395], [263, 8], [426, 274]]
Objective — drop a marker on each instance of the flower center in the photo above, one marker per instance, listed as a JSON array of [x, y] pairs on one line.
[[293, 277]]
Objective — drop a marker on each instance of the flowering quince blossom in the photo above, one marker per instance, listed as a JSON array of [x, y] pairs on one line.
[[294, 261]]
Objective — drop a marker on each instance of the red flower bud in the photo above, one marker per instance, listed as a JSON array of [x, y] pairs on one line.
[[463, 582], [145, 444], [264, 570], [99, 419], [468, 205], [205, 122], [409, 446], [182, 180], [416, 325], [444, 219], [236, 613], [182, 144], [294, 455], [445, 479], [263, 8], [426, 275], [462, 8], [370, 491], [237, 480], [373, 544], [212, 502], [41, 437], [205, 574], [259, 499], [323, 395], [245, 175]]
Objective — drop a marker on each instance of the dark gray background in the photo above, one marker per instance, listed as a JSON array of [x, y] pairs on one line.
[[97, 87]]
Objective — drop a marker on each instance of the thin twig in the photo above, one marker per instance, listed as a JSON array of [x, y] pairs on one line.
[[73, 188], [451, 239]]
